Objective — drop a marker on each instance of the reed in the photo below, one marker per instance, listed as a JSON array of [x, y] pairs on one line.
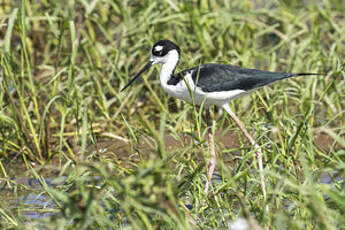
[[62, 64]]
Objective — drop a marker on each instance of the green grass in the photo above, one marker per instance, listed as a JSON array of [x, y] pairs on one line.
[[67, 60]]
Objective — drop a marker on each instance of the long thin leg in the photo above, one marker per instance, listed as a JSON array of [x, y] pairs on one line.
[[256, 146], [212, 162]]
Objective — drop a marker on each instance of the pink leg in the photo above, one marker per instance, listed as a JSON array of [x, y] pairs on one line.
[[256, 146], [212, 162]]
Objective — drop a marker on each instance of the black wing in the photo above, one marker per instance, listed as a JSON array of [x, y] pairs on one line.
[[221, 77]]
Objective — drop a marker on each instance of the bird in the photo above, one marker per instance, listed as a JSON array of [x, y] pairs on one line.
[[211, 84]]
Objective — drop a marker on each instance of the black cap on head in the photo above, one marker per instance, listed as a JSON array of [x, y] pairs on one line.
[[162, 47]]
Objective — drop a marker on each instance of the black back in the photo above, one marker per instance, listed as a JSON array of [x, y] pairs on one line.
[[221, 77]]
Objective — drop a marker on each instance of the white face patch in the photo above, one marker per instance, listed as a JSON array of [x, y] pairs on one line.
[[158, 48], [171, 57]]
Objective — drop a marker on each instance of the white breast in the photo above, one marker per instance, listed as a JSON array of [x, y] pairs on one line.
[[186, 89]]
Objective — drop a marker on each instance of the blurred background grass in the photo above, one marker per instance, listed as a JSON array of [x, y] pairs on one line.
[[134, 160]]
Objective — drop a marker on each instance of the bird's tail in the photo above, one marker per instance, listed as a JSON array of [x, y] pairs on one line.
[[305, 74], [289, 75]]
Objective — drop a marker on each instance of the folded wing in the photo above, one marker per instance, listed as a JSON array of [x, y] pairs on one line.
[[221, 77]]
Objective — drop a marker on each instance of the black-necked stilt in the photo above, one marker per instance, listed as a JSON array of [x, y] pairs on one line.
[[211, 84]]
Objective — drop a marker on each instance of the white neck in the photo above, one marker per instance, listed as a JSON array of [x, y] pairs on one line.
[[167, 69]]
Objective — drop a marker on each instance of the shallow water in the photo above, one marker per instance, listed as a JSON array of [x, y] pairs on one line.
[[31, 202], [27, 197]]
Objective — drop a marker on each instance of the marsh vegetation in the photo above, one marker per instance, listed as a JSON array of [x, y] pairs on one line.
[[136, 160]]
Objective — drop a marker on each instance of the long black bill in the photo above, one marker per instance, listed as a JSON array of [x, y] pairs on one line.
[[146, 67]]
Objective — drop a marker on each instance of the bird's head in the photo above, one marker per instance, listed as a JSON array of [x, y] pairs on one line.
[[164, 51]]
